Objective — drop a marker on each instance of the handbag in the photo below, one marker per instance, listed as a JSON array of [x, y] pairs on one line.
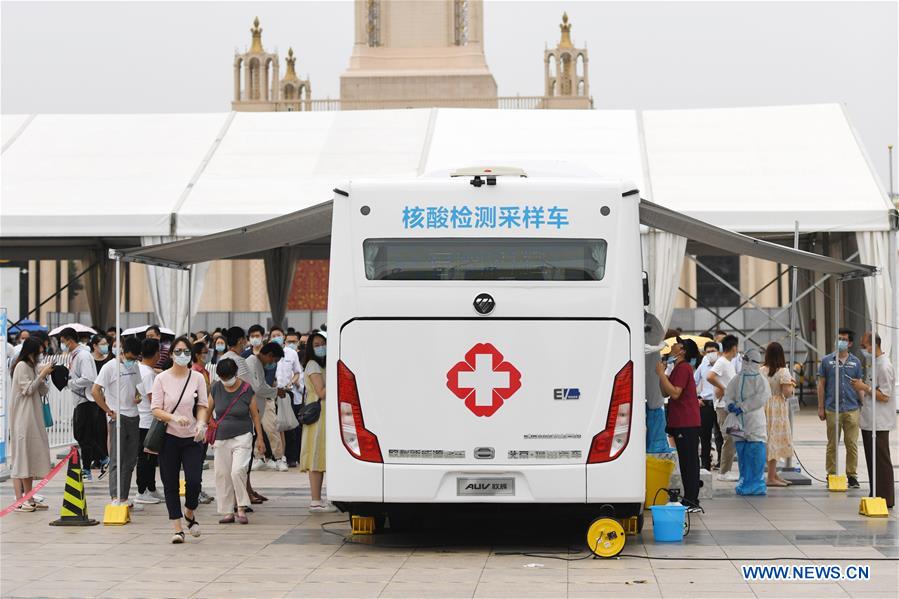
[[285, 419], [213, 425], [156, 433], [48, 413], [310, 412]]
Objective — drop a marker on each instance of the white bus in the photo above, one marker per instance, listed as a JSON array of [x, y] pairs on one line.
[[486, 345]]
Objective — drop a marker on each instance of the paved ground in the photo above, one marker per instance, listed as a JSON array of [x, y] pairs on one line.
[[285, 552]]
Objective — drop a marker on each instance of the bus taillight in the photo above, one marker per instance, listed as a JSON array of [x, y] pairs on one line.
[[612, 440], [359, 441]]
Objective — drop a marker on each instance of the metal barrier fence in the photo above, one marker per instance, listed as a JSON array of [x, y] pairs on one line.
[[60, 434]]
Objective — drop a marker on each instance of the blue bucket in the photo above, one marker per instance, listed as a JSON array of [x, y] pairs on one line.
[[668, 523]]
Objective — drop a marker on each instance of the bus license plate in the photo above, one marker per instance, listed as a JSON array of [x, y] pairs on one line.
[[466, 486]]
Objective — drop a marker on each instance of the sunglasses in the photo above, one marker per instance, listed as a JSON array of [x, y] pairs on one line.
[[181, 352]]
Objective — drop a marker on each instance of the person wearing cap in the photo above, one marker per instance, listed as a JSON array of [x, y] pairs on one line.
[[745, 399]]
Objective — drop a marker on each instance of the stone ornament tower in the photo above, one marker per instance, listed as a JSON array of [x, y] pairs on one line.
[[259, 71], [296, 93], [565, 73], [418, 53]]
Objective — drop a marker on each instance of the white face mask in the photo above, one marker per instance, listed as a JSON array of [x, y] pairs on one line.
[[713, 357], [255, 341], [182, 360], [229, 382]]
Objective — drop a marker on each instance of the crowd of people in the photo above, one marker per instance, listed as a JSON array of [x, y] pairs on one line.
[[254, 396], [736, 402]]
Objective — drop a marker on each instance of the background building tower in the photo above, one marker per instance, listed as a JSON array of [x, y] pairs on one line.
[[418, 53], [258, 70], [296, 93], [565, 73]]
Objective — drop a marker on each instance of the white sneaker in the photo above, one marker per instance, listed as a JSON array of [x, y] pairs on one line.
[[281, 465], [259, 464], [730, 477], [146, 497], [321, 508], [157, 494], [270, 464]]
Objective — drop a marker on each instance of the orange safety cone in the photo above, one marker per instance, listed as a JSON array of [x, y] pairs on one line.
[[74, 504]]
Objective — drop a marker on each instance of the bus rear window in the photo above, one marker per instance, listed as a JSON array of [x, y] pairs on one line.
[[484, 259]]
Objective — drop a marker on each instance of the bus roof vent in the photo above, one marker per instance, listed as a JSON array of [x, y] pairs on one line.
[[487, 174]]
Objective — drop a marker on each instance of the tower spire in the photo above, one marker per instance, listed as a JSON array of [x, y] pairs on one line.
[[291, 74], [565, 42], [257, 37]]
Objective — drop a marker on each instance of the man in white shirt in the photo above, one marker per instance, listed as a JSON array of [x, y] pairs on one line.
[[706, 393], [721, 374], [146, 462], [115, 391], [82, 372], [290, 377], [884, 416]]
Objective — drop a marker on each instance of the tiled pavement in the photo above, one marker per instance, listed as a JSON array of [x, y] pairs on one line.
[[285, 552]]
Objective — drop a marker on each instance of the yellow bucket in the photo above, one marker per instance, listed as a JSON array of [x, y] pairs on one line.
[[658, 473]]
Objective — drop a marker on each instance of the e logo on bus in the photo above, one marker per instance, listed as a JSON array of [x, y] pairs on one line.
[[484, 379], [484, 303]]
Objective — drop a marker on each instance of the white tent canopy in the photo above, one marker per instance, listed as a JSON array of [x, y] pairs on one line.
[[194, 174]]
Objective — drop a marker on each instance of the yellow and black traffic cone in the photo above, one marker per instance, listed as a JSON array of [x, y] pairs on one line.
[[74, 504]]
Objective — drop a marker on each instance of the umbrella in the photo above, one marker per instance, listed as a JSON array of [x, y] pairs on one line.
[[700, 342], [27, 325], [79, 328], [143, 329]]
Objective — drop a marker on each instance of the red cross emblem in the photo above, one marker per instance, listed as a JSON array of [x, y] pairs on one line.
[[483, 380]]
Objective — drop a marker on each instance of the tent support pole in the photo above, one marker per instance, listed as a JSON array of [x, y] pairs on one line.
[[190, 289], [894, 282], [118, 381], [58, 291], [794, 283], [753, 296]]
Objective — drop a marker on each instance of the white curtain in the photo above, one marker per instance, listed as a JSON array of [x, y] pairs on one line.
[[663, 260], [874, 249], [169, 290]]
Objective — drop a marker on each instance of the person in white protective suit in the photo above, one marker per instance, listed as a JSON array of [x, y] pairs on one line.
[[745, 399], [656, 438]]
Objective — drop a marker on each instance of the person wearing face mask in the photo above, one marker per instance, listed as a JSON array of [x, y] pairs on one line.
[[289, 376], [707, 406], [115, 391], [100, 352], [256, 339], [653, 335], [146, 462], [683, 414], [82, 372], [180, 399], [260, 365], [219, 347], [236, 418], [722, 373], [884, 416], [850, 368], [29, 454], [745, 399]]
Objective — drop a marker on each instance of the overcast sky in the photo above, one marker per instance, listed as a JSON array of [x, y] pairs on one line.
[[177, 56]]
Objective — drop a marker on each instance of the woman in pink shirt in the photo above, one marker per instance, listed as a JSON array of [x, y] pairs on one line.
[[180, 400]]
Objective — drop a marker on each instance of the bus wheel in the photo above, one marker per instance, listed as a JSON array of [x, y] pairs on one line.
[[605, 537]]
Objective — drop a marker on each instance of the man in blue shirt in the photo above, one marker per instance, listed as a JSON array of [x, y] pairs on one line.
[[850, 369]]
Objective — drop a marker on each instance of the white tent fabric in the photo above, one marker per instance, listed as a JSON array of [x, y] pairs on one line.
[[171, 288], [271, 164], [194, 174], [663, 261], [101, 175], [744, 168], [874, 248]]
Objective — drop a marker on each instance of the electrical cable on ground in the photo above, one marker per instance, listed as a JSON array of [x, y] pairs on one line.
[[588, 555]]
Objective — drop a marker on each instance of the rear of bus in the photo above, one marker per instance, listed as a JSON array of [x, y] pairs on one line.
[[486, 345]]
